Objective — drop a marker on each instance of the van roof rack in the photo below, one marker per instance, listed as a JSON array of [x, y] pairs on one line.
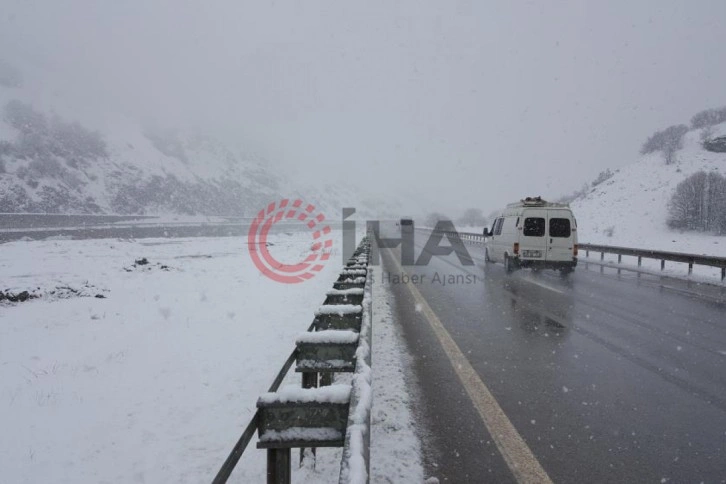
[[536, 202]]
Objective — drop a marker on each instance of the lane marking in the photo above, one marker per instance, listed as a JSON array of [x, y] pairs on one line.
[[540, 284], [519, 457]]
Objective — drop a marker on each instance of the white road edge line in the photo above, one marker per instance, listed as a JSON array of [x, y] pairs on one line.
[[519, 457], [540, 284]]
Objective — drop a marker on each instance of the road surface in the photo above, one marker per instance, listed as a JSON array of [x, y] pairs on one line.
[[532, 377]]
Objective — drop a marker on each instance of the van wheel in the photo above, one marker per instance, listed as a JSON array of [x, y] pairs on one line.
[[508, 266], [486, 255], [565, 271]]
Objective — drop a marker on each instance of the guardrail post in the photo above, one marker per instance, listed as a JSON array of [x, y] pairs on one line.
[[309, 380], [723, 273], [620, 259], [662, 264], [278, 466], [602, 258], [640, 263], [690, 268]]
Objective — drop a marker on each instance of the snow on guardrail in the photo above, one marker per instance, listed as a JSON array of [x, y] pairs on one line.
[[355, 467], [339, 309], [329, 336], [338, 393]]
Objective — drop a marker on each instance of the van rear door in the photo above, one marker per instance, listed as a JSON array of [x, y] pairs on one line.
[[560, 238], [533, 228]]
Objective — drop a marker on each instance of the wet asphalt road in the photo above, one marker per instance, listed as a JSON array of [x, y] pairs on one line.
[[606, 378]]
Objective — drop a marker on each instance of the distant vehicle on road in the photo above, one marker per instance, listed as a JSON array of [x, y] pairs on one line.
[[533, 233], [406, 225]]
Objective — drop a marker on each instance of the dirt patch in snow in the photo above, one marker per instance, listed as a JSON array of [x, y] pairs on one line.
[[9, 297], [143, 265]]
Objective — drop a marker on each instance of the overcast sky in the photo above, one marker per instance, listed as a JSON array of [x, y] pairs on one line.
[[466, 103]]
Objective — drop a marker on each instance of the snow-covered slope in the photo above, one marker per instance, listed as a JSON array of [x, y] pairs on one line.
[[630, 209], [56, 157]]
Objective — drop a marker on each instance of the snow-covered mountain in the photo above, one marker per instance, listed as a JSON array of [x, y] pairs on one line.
[[51, 163], [630, 209]]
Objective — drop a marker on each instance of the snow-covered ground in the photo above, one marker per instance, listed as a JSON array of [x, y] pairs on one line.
[[630, 209], [155, 381]]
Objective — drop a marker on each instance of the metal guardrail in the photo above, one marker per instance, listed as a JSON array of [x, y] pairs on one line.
[[465, 236], [471, 237], [663, 256], [356, 444], [231, 462]]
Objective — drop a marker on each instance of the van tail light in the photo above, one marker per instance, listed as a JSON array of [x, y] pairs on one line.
[[574, 250], [516, 248]]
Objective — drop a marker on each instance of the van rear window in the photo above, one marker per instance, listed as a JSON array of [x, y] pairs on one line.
[[534, 227], [559, 227]]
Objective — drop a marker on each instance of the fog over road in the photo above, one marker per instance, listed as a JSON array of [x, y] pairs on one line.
[[604, 378]]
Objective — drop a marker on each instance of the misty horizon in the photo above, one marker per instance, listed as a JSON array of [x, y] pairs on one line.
[[444, 106]]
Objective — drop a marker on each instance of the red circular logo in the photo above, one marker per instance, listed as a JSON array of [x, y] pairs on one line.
[[285, 211]]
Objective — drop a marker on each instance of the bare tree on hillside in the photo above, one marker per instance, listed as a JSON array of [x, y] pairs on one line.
[[668, 142], [435, 217], [473, 217], [602, 177], [699, 203], [706, 134], [708, 117], [576, 195]]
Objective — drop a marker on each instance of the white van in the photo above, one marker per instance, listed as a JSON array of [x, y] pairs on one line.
[[533, 233]]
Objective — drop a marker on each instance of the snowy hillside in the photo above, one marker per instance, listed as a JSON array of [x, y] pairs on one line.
[[55, 158], [630, 209]]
